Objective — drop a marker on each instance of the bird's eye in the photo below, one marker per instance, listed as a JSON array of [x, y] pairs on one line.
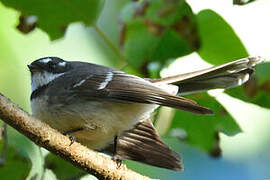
[[51, 65]]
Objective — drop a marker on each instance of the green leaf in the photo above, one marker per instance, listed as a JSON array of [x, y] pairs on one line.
[[54, 16], [156, 30], [202, 130], [16, 166], [257, 89], [262, 72], [48, 174], [61, 168], [29, 150], [37, 161], [219, 42], [261, 98]]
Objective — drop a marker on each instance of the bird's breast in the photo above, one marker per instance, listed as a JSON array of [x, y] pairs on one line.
[[101, 121]]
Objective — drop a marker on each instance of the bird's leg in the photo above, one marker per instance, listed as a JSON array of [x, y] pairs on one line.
[[71, 137], [116, 157]]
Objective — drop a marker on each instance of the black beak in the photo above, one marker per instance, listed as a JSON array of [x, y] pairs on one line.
[[29, 66], [33, 68]]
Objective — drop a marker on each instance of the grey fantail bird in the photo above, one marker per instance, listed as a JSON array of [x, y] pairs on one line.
[[108, 110]]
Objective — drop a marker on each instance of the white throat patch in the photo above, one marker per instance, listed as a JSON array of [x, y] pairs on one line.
[[42, 78]]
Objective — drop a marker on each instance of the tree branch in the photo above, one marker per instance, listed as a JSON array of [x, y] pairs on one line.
[[44, 136]]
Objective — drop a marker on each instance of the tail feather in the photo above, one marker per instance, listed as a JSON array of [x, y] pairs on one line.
[[224, 76]]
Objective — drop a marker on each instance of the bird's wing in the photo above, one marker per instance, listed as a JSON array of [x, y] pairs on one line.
[[124, 88]]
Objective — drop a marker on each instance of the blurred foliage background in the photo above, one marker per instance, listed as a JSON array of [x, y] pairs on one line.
[[150, 38]]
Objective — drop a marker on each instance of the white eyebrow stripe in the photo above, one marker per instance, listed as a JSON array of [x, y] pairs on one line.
[[63, 64], [40, 79], [108, 78], [46, 60], [79, 83]]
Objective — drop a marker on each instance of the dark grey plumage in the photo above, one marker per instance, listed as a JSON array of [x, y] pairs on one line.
[[62, 92], [143, 144]]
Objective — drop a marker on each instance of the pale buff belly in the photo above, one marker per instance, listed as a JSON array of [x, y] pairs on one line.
[[101, 121]]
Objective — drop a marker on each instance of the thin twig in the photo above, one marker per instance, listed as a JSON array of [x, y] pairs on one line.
[[109, 43], [44, 136]]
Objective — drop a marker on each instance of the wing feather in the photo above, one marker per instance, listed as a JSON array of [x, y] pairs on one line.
[[127, 88], [142, 143]]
